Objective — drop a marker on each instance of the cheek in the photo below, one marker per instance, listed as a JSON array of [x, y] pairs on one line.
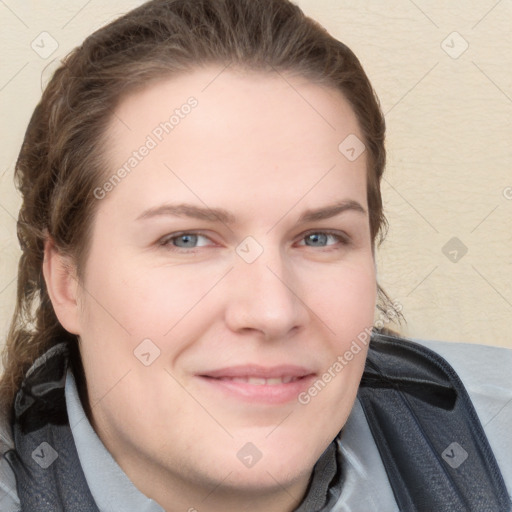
[[346, 307], [125, 306], [345, 299], [140, 301]]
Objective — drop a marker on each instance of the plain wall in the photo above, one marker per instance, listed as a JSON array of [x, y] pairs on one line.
[[443, 73]]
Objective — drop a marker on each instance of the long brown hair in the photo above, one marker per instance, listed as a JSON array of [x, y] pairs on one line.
[[60, 162]]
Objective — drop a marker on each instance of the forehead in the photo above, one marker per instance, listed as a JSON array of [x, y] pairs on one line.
[[254, 133]]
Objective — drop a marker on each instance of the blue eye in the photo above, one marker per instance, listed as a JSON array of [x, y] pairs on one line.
[[321, 238], [187, 240], [317, 239], [184, 241]]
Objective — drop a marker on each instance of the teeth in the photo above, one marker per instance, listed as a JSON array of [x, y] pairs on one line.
[[259, 381]]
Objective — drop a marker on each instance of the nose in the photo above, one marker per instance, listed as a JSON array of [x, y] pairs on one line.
[[265, 296]]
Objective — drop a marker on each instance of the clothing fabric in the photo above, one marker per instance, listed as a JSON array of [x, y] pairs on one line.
[[350, 472]]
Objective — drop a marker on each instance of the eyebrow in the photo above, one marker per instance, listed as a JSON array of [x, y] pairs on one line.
[[226, 217]]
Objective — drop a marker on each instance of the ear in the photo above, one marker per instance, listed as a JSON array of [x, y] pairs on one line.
[[62, 285]]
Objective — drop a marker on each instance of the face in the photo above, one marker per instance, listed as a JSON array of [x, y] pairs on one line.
[[230, 268]]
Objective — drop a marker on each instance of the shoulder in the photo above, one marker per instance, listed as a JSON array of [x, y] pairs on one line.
[[485, 372], [9, 501]]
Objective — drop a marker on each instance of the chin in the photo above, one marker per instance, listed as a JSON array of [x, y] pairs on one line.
[[266, 462], [274, 475]]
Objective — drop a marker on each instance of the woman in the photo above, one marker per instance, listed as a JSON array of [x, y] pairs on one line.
[[197, 289]]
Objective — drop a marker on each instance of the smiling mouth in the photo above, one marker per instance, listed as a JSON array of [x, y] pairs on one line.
[[257, 384], [258, 381]]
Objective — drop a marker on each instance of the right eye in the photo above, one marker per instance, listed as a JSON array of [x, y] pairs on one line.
[[183, 241]]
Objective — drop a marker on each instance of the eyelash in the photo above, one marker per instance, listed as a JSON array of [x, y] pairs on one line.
[[165, 242]]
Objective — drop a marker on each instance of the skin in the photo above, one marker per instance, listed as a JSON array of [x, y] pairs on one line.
[[266, 152]]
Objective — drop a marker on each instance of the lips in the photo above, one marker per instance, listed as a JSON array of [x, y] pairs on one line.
[[253, 383], [258, 373], [260, 381]]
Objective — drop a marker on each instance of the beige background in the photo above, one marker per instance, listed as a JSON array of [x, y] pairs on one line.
[[443, 72]]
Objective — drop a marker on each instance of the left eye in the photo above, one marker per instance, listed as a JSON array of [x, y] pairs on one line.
[[321, 238]]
